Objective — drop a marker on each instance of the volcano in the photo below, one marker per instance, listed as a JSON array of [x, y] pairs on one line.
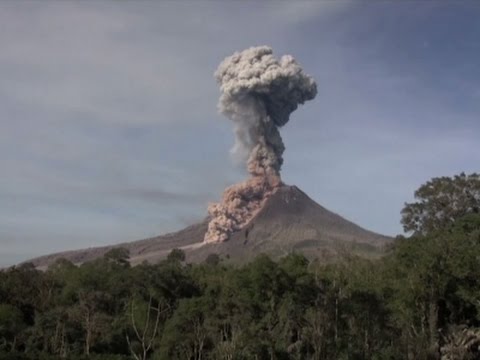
[[288, 222]]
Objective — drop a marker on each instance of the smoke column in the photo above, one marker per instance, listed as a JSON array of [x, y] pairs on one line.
[[258, 93]]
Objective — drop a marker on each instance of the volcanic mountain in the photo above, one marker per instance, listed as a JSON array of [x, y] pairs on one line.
[[288, 222]]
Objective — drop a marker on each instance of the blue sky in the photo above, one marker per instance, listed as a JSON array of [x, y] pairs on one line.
[[109, 130]]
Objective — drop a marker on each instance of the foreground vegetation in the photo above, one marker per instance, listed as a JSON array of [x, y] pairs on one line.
[[420, 301]]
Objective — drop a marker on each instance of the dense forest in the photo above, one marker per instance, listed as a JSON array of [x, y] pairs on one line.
[[421, 300]]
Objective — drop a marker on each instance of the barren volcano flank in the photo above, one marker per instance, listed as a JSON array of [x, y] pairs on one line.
[[289, 221]]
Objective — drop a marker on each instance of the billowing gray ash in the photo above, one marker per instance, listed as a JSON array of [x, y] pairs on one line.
[[258, 93]]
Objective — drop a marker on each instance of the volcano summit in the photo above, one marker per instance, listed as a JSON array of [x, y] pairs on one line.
[[261, 214], [289, 221]]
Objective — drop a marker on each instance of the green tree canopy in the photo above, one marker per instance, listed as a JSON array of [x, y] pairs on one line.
[[176, 255], [118, 256], [440, 202]]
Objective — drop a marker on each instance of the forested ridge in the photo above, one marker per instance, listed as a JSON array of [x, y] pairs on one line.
[[419, 301]]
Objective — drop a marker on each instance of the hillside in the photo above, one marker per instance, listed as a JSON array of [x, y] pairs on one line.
[[289, 221]]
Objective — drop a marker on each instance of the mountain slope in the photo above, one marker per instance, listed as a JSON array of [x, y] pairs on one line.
[[289, 221]]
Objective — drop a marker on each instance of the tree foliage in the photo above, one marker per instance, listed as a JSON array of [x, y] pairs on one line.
[[420, 301], [440, 202]]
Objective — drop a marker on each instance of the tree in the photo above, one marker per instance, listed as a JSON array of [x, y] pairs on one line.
[[51, 333], [11, 323], [213, 259], [463, 343], [145, 326], [89, 315], [440, 202], [435, 281], [186, 335], [176, 255], [118, 256]]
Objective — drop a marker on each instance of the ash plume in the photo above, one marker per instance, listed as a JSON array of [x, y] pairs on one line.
[[258, 93]]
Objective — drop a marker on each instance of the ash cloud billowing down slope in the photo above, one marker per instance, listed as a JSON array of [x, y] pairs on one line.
[[258, 93]]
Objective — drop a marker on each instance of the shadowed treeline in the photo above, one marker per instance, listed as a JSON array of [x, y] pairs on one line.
[[419, 301], [407, 305]]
